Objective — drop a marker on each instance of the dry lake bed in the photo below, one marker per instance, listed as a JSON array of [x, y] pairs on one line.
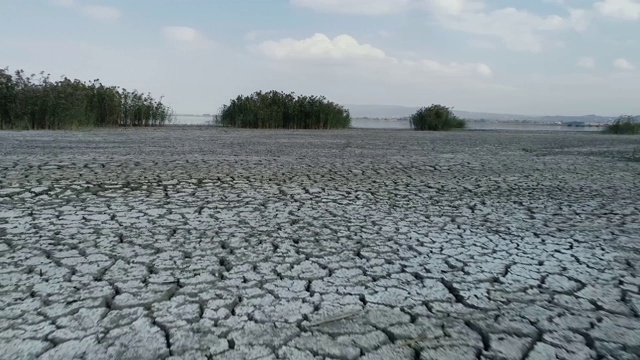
[[210, 243]]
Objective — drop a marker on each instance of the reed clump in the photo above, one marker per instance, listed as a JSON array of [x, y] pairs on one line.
[[436, 118], [278, 110], [624, 125], [37, 102]]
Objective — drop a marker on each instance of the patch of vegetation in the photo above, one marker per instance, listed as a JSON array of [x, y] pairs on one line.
[[626, 125], [36, 102], [436, 118], [277, 110]]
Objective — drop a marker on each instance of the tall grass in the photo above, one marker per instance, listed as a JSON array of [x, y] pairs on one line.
[[36, 102], [436, 118], [625, 124], [277, 110]]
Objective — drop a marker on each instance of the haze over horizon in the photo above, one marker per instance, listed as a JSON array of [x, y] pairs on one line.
[[548, 57]]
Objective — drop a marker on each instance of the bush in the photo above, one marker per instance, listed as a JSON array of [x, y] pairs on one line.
[[624, 125], [30, 102], [277, 110], [436, 118]]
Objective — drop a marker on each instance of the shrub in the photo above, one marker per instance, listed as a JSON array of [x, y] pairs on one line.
[[277, 110], [30, 102], [624, 125], [436, 118]]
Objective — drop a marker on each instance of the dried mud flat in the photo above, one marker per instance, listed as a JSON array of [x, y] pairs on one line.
[[186, 243]]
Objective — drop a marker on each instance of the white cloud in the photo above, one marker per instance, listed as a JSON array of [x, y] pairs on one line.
[[356, 7], [586, 62], [98, 12], [102, 13], [181, 33], [385, 7], [518, 29], [187, 38], [405, 69], [623, 64], [344, 49], [556, 2], [620, 9], [455, 7], [320, 47], [484, 70]]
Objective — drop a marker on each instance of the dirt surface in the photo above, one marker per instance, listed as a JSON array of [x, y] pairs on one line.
[[205, 243]]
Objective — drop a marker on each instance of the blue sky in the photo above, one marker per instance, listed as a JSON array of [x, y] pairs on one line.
[[518, 56]]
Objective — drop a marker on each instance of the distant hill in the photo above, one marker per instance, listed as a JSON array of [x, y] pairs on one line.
[[395, 111]]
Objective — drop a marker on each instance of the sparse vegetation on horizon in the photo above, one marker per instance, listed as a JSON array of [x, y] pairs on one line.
[[436, 118], [278, 110], [36, 102], [624, 125]]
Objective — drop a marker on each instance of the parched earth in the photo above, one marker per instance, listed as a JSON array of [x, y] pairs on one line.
[[205, 243]]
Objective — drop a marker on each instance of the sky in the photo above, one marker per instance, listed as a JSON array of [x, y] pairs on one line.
[[534, 57]]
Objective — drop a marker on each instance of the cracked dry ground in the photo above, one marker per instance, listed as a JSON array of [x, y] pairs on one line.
[[185, 243]]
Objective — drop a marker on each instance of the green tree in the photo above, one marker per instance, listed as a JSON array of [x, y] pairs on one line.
[[625, 124], [277, 110], [36, 102], [436, 118]]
